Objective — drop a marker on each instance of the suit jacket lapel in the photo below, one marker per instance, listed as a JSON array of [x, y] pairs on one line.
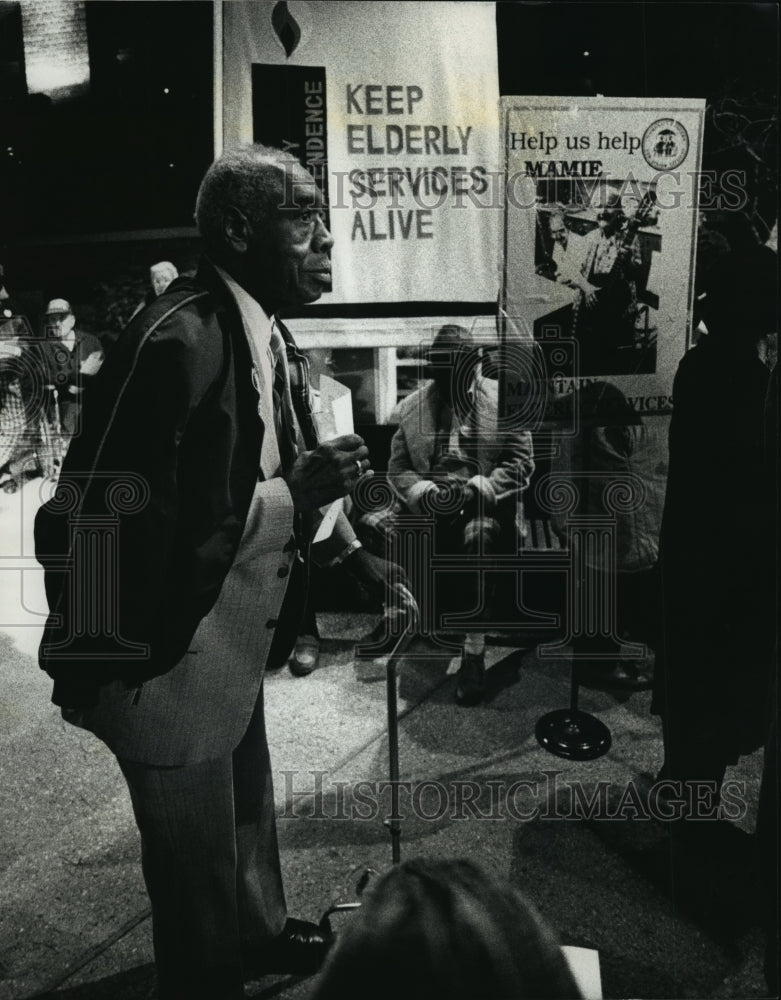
[[232, 325]]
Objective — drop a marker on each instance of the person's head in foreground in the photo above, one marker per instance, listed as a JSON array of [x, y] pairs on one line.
[[161, 275], [262, 219], [445, 930]]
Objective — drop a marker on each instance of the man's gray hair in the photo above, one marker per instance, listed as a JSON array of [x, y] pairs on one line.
[[249, 178]]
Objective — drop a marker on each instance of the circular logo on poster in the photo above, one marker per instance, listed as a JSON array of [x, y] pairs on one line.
[[665, 144]]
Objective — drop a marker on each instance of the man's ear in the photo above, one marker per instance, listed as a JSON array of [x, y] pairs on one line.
[[235, 228]]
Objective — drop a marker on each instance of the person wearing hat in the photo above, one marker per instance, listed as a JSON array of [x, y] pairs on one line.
[[73, 358], [448, 462], [607, 280]]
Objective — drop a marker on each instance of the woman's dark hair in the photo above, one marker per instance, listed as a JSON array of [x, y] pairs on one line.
[[445, 929]]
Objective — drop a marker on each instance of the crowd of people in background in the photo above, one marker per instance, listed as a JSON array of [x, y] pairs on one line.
[[45, 367]]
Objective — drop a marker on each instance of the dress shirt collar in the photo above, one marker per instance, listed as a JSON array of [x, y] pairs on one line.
[[257, 325]]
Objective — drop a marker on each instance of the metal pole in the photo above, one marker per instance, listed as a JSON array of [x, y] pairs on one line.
[[393, 824]]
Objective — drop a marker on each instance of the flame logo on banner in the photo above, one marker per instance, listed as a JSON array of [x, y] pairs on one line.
[[286, 27]]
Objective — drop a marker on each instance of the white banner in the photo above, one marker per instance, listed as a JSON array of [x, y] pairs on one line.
[[399, 104], [600, 237]]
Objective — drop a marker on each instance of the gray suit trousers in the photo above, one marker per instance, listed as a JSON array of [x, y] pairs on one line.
[[211, 864]]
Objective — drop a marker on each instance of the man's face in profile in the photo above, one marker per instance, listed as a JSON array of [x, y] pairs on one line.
[[295, 251]]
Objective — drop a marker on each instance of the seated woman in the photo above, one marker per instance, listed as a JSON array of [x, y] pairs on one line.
[[445, 929], [453, 466]]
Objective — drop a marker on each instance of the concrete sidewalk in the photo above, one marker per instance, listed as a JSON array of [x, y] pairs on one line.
[[75, 914]]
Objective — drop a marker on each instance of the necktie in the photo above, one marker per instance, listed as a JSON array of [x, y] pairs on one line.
[[284, 420], [270, 459]]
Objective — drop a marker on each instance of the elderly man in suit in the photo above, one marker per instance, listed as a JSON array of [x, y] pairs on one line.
[[176, 551], [450, 463]]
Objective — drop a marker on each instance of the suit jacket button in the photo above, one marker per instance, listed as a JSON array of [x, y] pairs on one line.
[[272, 623], [283, 571]]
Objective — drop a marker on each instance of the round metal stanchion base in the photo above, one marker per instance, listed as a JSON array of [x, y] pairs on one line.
[[573, 734]]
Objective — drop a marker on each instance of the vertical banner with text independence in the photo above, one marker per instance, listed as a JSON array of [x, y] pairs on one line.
[[288, 111]]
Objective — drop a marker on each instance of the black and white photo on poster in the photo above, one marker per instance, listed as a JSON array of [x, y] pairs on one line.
[[593, 247]]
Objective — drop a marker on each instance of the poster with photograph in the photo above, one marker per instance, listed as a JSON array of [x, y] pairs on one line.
[[600, 236]]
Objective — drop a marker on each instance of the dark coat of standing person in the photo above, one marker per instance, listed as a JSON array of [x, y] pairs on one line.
[[716, 555]]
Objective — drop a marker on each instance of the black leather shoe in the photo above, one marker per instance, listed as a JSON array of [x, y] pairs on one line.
[[299, 950], [305, 656], [470, 679]]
